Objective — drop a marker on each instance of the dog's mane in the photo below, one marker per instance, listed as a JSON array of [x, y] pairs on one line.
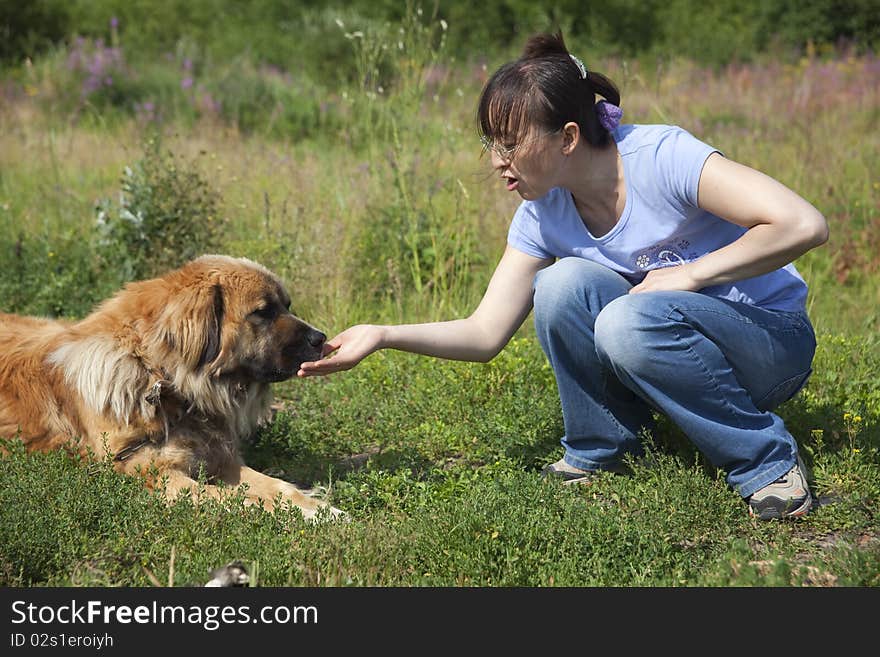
[[108, 379], [115, 356]]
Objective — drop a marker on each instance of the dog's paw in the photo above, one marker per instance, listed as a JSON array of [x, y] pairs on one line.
[[325, 513]]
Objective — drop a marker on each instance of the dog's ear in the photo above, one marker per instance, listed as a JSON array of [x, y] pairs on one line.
[[182, 320], [213, 328]]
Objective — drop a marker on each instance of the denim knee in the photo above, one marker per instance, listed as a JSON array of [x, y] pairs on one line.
[[555, 288], [573, 284], [622, 333]]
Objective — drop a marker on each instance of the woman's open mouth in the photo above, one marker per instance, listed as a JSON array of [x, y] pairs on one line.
[[512, 183]]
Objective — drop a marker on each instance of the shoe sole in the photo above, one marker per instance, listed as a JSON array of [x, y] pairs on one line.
[[567, 478], [578, 480], [772, 513]]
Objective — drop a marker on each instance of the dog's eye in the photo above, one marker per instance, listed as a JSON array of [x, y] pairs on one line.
[[268, 312]]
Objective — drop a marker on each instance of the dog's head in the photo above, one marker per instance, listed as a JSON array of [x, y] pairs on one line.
[[229, 317]]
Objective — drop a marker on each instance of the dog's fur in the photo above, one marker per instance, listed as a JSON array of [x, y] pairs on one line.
[[167, 376]]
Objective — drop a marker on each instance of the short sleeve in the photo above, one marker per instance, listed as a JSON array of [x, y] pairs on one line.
[[680, 160], [524, 233]]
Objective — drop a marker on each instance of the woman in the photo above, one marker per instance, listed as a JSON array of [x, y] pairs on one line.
[[660, 276]]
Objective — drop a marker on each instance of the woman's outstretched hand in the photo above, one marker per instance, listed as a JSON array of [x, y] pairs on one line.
[[345, 350]]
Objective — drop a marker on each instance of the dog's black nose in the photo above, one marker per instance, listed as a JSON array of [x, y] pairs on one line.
[[315, 338]]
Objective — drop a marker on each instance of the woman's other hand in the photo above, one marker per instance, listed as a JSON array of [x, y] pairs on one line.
[[676, 278]]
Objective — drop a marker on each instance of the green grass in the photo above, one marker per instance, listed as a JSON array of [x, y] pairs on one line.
[[447, 492], [381, 210]]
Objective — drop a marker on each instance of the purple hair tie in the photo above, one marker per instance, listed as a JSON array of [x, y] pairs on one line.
[[609, 114]]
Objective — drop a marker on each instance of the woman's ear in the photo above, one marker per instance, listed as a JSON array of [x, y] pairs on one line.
[[571, 135]]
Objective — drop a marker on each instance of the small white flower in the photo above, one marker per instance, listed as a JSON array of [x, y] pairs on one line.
[[443, 25]]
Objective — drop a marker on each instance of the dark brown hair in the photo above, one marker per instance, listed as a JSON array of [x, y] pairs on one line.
[[545, 88]]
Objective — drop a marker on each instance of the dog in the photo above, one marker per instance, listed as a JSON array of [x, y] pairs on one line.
[[166, 377]]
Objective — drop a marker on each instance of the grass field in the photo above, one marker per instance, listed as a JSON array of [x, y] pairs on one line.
[[381, 209]]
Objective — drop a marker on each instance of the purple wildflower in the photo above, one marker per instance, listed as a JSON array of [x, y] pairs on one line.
[[207, 104], [146, 112]]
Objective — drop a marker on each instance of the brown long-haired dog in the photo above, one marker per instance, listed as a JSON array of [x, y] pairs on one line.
[[167, 376]]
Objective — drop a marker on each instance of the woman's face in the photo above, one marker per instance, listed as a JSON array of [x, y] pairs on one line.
[[528, 166]]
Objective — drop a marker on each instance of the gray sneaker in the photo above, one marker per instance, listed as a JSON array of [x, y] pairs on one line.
[[787, 497], [572, 475]]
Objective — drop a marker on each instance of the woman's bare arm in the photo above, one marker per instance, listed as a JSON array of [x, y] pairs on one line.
[[479, 337], [782, 227]]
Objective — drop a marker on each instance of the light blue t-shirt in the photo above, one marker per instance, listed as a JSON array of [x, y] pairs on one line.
[[660, 226]]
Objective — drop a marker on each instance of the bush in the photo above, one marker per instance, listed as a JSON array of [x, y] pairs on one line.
[[301, 36], [26, 28], [167, 214]]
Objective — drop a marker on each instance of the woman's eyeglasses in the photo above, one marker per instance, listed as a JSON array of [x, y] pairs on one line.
[[507, 153]]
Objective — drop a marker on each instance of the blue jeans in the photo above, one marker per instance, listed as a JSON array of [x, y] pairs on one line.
[[714, 367]]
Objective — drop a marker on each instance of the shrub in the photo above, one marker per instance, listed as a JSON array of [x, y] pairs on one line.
[[167, 214], [26, 28]]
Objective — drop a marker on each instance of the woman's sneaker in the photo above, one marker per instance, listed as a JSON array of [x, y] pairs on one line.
[[569, 474], [787, 497]]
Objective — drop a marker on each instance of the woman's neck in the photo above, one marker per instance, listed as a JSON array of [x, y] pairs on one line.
[[595, 180]]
